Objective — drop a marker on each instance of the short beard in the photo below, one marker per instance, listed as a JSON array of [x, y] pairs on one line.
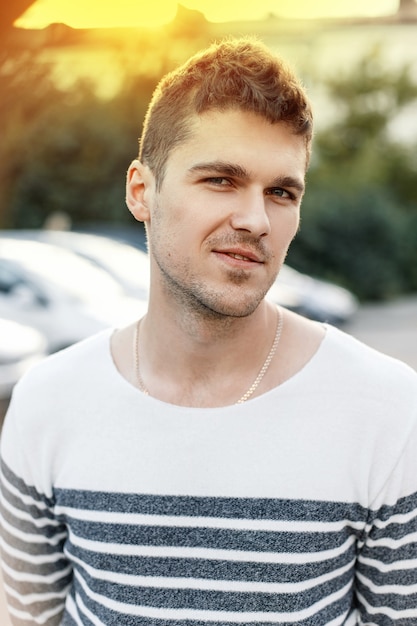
[[193, 295], [198, 300]]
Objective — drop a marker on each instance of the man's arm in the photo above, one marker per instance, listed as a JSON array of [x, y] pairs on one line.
[[36, 573], [386, 580]]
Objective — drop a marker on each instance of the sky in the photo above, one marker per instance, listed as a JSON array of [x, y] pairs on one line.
[[102, 13]]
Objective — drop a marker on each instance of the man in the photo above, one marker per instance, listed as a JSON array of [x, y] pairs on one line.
[[222, 461]]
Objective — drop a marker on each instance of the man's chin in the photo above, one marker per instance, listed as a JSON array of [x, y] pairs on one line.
[[226, 307]]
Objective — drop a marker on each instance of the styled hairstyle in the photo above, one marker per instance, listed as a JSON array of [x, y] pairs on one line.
[[240, 74]]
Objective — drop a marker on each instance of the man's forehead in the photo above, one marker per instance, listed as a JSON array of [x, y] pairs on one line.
[[230, 135]]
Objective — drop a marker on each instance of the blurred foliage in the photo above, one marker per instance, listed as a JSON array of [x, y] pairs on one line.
[[28, 94], [64, 151], [359, 216], [68, 151]]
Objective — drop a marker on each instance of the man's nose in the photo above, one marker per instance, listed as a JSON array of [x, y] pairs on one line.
[[250, 214]]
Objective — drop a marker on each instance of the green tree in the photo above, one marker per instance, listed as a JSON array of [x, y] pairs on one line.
[[28, 95], [80, 153], [68, 151], [360, 212]]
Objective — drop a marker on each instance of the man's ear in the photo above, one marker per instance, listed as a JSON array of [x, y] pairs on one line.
[[140, 184]]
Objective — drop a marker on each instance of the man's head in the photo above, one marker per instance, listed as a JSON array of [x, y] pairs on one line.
[[234, 74]]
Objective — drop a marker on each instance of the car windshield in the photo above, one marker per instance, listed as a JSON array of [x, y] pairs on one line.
[[76, 276]]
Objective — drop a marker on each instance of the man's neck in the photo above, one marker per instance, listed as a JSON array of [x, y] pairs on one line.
[[203, 360], [193, 365]]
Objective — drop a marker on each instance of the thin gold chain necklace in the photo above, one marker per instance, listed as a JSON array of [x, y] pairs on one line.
[[253, 386]]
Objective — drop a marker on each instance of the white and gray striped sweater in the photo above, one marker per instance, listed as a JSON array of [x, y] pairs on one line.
[[296, 508]]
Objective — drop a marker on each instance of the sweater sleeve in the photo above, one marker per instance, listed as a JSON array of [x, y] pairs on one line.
[[386, 578], [37, 576]]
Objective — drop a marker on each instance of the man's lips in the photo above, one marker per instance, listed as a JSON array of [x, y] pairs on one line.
[[241, 255]]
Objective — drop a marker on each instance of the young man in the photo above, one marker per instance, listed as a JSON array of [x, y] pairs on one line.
[[222, 461]]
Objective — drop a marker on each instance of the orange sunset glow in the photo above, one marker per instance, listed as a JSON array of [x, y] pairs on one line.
[[95, 13]]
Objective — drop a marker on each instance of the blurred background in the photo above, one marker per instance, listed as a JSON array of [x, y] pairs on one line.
[[76, 77]]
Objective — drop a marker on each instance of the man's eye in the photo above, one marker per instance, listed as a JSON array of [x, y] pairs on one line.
[[218, 180], [279, 192]]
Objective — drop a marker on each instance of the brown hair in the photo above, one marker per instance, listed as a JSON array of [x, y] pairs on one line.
[[233, 74]]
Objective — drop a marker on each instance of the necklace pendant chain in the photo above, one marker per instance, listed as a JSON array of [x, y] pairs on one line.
[[253, 386], [267, 362], [139, 380]]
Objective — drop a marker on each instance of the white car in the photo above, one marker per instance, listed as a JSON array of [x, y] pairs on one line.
[[128, 265], [62, 295], [20, 348], [317, 299]]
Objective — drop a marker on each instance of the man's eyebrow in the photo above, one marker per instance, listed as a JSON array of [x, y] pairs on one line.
[[289, 181], [221, 167], [237, 171]]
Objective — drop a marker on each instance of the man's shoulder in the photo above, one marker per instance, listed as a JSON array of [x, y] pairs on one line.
[[73, 362], [352, 358]]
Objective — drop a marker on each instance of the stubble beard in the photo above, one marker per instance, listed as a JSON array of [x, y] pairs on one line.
[[198, 299], [195, 296]]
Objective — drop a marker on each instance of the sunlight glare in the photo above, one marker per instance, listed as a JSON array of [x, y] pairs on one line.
[[95, 14]]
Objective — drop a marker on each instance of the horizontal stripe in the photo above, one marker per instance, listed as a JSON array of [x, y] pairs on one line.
[[138, 519], [216, 507], [388, 611], [213, 615], [27, 523], [16, 504], [387, 589], [379, 599], [321, 618], [30, 565], [37, 597], [398, 518], [403, 506], [29, 558], [404, 578], [210, 553], [260, 541], [167, 582], [393, 566], [194, 598], [392, 555], [39, 619], [41, 571], [36, 578], [395, 532], [31, 537], [28, 493], [211, 568]]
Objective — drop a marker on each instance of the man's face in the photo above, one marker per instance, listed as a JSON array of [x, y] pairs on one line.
[[228, 208]]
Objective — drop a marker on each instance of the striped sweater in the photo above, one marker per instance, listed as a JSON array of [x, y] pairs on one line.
[[297, 507]]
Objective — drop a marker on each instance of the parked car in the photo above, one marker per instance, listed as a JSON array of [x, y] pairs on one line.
[[62, 295], [128, 264], [317, 299], [20, 348]]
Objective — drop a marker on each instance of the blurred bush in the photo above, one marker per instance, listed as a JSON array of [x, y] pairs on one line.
[[357, 237], [65, 151], [359, 216]]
